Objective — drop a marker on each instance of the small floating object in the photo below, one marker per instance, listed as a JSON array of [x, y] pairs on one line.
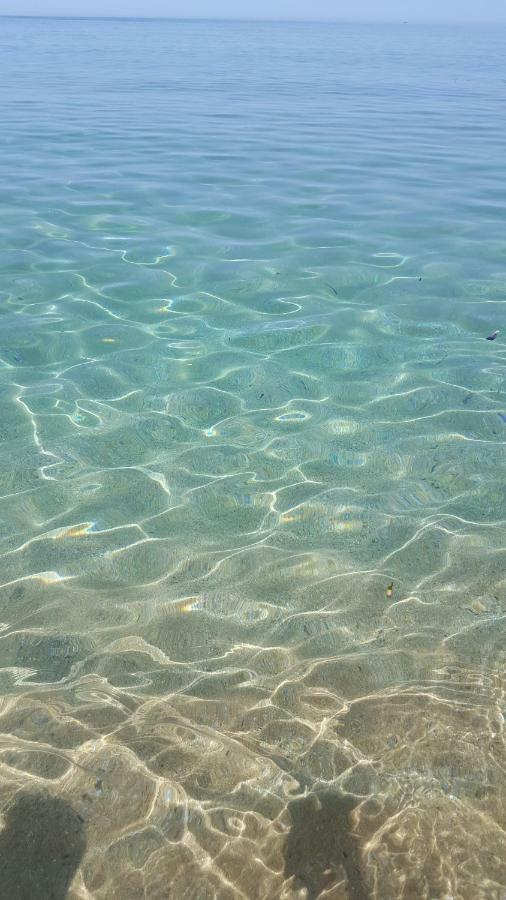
[[74, 531], [187, 605], [390, 589], [492, 337]]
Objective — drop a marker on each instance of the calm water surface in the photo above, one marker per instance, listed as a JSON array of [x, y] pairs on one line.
[[252, 466]]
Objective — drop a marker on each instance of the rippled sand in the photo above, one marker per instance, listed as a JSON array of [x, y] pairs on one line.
[[252, 468]]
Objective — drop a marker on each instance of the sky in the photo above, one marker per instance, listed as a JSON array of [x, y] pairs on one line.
[[358, 10]]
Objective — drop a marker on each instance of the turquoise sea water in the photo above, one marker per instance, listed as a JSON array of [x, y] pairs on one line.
[[252, 468]]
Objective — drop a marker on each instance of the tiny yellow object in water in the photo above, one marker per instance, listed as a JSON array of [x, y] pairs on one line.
[[390, 589], [355, 525], [74, 531], [108, 340], [187, 605]]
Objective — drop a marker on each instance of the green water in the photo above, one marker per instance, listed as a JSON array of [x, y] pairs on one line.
[[252, 468]]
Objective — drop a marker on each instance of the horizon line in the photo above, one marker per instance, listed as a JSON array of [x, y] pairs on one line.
[[252, 20]]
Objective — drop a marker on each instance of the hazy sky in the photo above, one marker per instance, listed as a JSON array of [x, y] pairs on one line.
[[372, 10]]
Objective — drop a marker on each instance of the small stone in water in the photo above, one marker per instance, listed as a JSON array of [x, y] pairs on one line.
[[477, 608]]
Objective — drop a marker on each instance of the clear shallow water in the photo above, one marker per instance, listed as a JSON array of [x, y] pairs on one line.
[[247, 273]]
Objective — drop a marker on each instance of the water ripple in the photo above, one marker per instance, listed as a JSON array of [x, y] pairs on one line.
[[252, 590]]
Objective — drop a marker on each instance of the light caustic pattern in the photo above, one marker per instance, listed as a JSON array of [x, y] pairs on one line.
[[252, 461]]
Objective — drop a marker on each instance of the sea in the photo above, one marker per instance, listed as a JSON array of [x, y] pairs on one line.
[[252, 460]]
